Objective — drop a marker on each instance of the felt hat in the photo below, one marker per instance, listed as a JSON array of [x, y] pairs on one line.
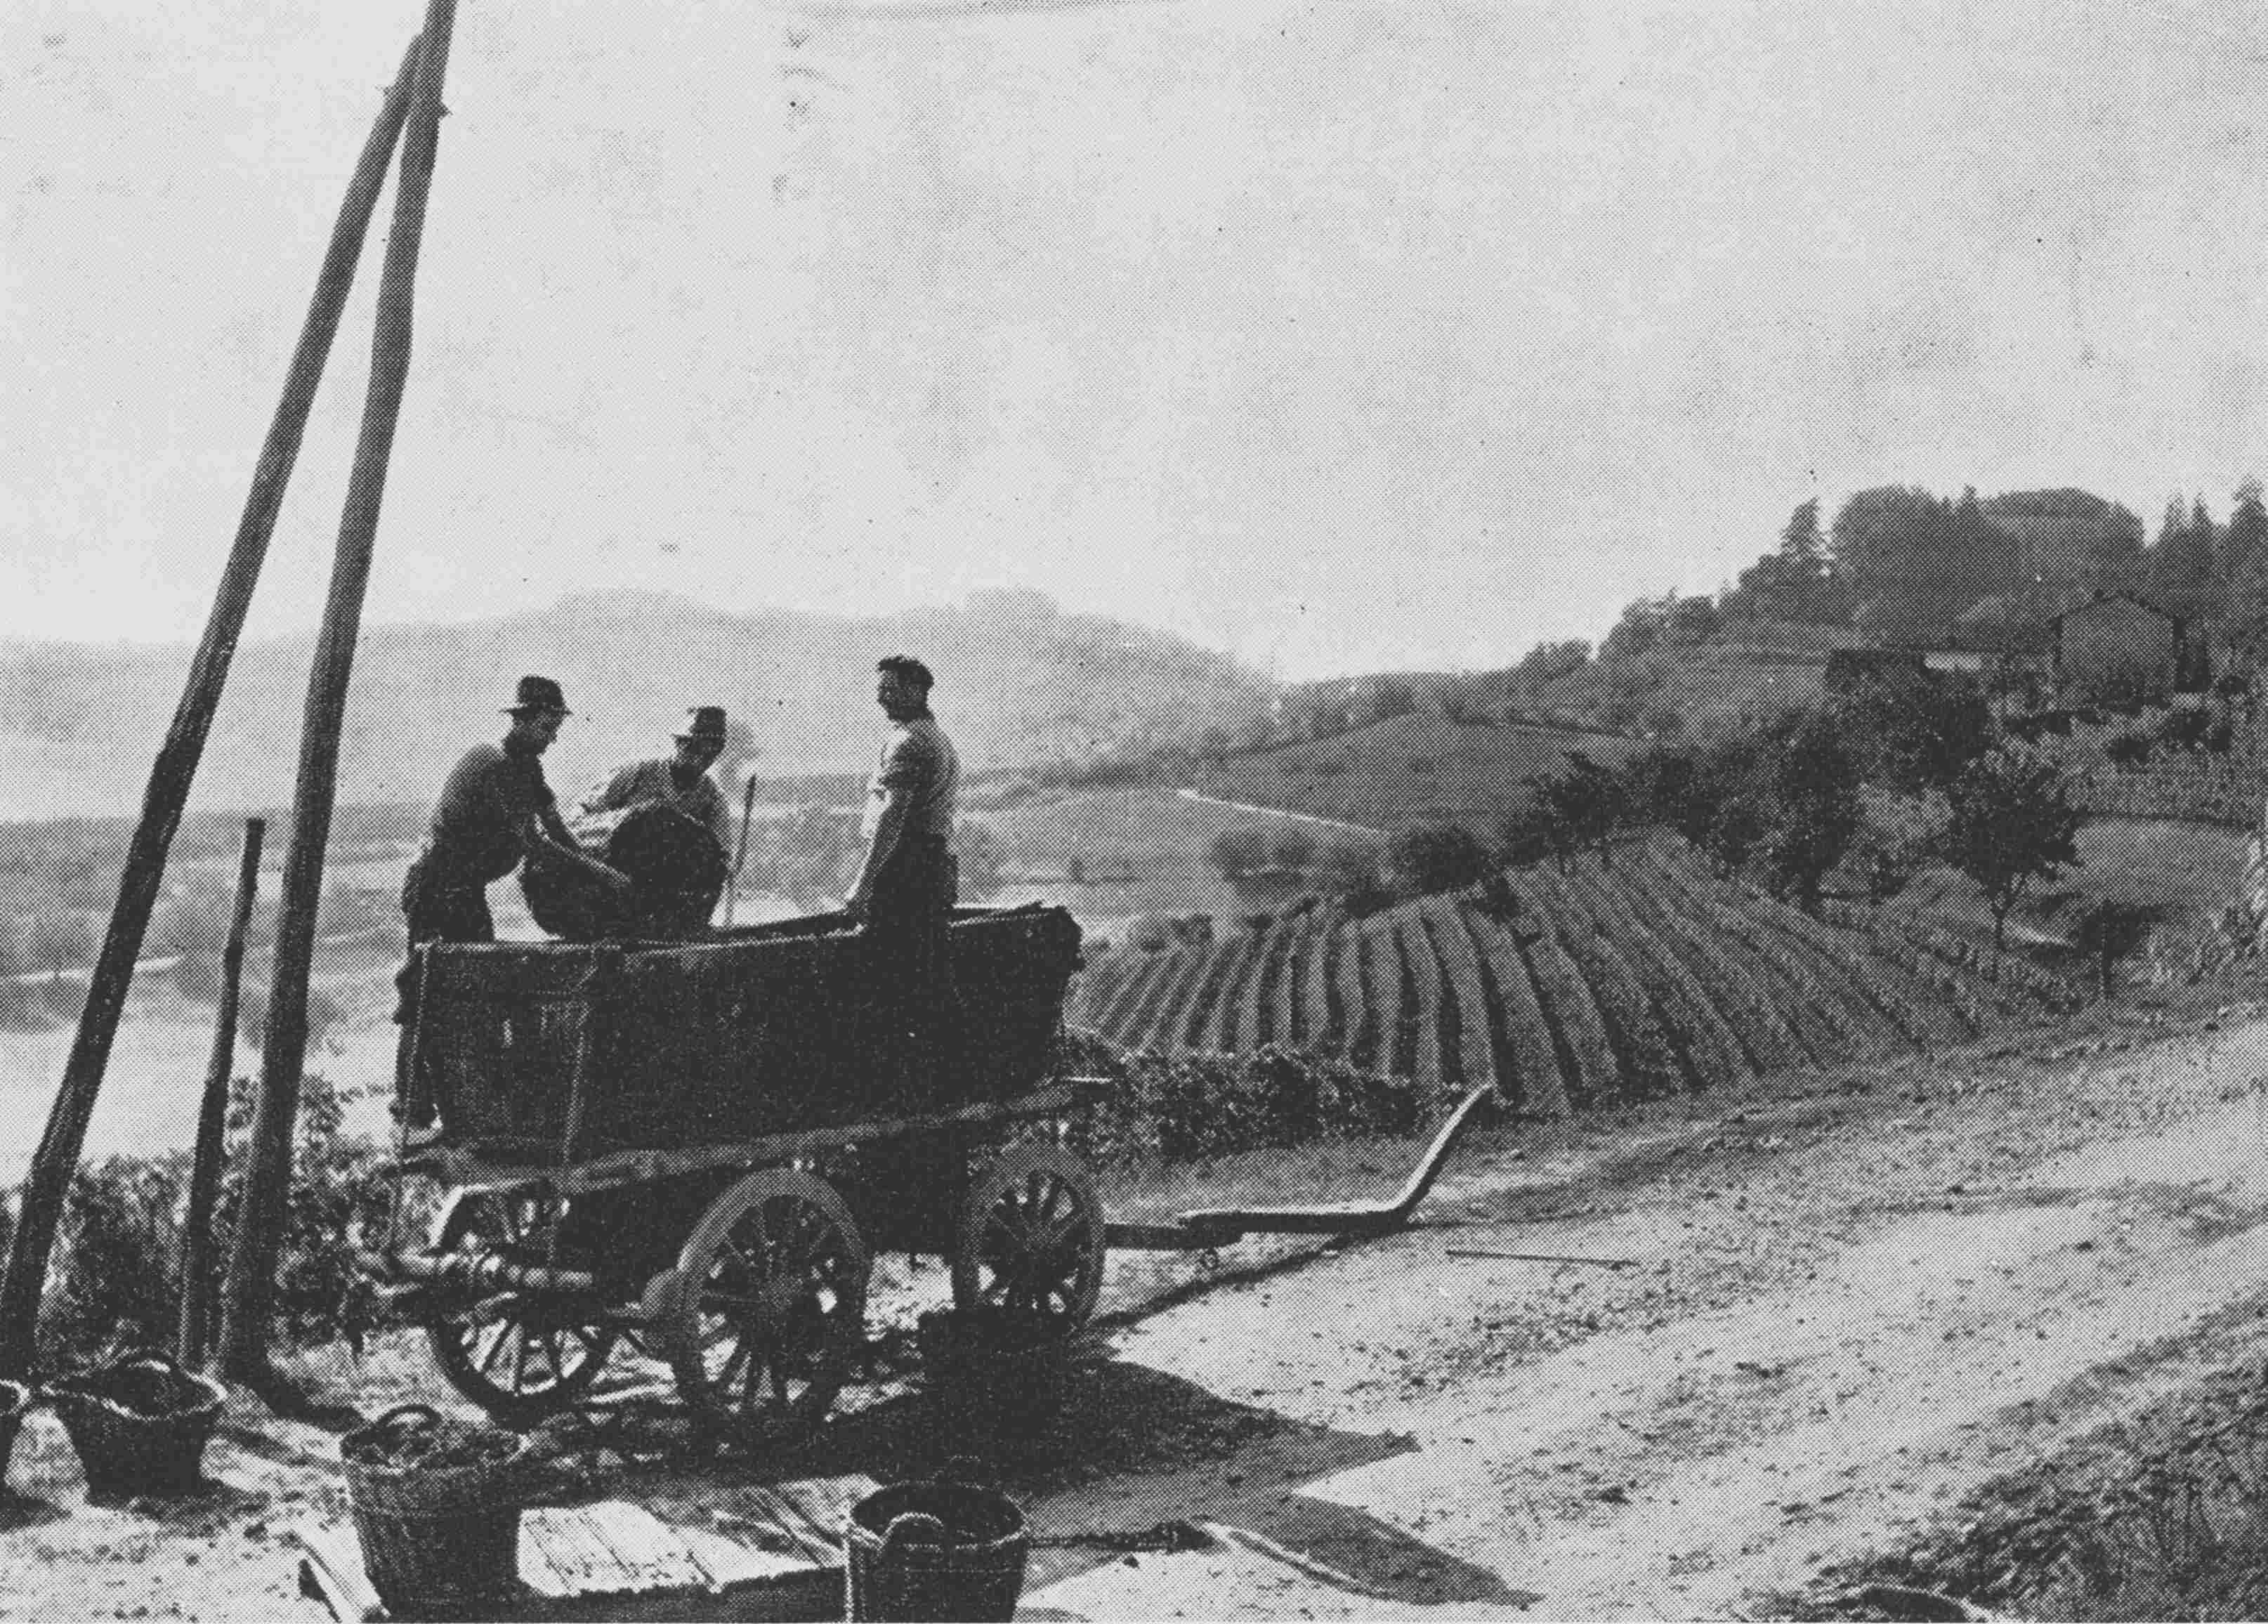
[[538, 693], [705, 722]]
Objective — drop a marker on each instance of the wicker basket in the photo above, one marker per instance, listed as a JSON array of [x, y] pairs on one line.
[[140, 1423], [941, 1550], [435, 1539]]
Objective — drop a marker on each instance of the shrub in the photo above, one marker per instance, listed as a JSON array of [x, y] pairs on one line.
[[1349, 871], [1582, 806], [2012, 821], [1294, 848], [1811, 809], [1200, 1107], [2129, 747], [1524, 836], [1236, 853], [120, 1238], [1439, 857], [115, 1278], [1147, 933]]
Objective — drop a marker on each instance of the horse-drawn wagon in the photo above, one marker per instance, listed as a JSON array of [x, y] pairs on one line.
[[699, 1147]]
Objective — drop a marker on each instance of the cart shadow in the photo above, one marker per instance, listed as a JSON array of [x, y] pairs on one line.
[[1142, 1461]]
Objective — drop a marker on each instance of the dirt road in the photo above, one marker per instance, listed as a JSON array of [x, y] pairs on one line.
[[1842, 1310], [1844, 1304]]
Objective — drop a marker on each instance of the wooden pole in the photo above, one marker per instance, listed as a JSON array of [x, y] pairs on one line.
[[195, 1291], [740, 855], [57, 1157], [267, 1173]]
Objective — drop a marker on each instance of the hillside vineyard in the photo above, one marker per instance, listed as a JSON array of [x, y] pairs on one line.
[[1599, 982]]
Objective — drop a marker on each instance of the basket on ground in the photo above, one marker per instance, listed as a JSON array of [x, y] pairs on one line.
[[437, 1506], [945, 1549], [140, 1423]]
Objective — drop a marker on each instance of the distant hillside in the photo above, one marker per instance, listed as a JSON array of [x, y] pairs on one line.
[[1017, 681], [1413, 769]]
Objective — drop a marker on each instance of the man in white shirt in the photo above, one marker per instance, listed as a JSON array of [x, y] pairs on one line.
[[908, 882]]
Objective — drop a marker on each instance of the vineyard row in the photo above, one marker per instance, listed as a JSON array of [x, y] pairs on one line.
[[1569, 988]]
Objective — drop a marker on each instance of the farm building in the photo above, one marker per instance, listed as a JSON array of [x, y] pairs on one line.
[[2003, 624], [2118, 647]]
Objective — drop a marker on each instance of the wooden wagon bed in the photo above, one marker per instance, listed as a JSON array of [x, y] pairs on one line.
[[625, 1056]]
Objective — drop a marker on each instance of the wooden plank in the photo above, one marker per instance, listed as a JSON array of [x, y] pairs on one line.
[[331, 1572], [826, 1502], [610, 1547], [459, 1167], [613, 1559], [779, 1524]]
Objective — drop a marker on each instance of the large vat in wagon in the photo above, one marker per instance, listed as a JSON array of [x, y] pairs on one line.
[[566, 1053]]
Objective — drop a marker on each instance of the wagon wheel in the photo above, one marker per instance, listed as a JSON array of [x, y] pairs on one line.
[[1031, 1238], [533, 1358], [767, 1313]]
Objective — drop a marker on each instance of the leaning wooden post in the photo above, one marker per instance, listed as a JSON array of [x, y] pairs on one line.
[[196, 1291], [740, 855], [243, 1352], [168, 791]]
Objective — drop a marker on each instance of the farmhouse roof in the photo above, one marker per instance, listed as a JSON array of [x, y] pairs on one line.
[[2103, 600], [2002, 624]]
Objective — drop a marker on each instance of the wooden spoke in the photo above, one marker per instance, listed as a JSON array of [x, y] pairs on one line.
[[526, 1363], [769, 1331], [1031, 1239]]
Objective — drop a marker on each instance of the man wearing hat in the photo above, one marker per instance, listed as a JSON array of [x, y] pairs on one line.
[[495, 812], [681, 780]]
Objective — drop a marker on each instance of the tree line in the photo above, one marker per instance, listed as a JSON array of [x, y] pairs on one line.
[[1897, 769]]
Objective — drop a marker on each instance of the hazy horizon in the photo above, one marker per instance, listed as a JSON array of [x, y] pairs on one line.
[[1342, 337]]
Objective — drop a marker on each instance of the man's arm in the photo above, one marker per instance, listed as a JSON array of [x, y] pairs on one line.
[[615, 793], [887, 830], [539, 838]]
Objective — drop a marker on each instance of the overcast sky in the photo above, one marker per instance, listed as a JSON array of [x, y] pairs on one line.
[[1339, 334]]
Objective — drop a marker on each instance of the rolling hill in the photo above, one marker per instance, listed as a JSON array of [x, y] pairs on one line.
[[1017, 681], [1411, 769], [1570, 989]]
